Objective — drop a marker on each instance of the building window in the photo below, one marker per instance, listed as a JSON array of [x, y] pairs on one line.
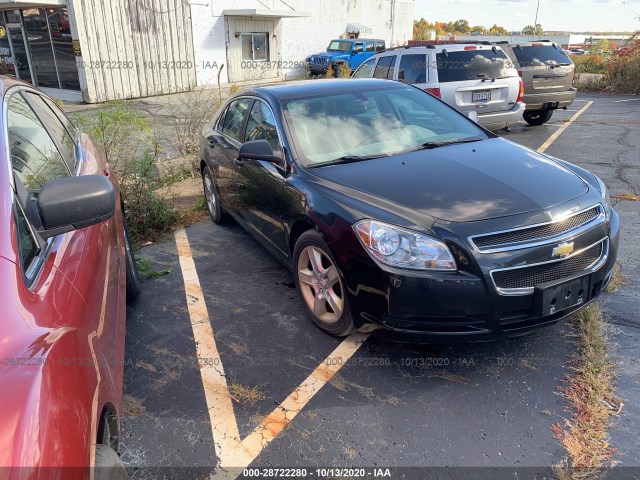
[[36, 46], [255, 46]]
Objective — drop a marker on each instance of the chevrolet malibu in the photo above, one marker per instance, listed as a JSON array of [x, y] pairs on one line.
[[66, 267], [392, 208]]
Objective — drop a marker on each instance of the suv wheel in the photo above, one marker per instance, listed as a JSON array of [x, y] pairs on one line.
[[537, 117]]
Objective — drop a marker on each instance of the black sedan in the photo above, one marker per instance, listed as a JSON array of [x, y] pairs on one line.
[[390, 207]]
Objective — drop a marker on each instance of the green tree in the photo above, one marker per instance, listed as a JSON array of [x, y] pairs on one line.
[[421, 29], [461, 26], [531, 30], [478, 29], [603, 44], [498, 30]]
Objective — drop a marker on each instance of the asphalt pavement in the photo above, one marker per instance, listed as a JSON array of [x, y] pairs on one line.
[[474, 407]]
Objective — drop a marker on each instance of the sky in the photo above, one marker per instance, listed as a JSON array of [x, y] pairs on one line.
[[563, 15]]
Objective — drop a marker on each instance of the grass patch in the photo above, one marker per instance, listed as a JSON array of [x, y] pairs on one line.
[[145, 270], [589, 392], [242, 394], [618, 279]]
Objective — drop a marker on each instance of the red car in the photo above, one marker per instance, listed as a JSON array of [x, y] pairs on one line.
[[67, 267]]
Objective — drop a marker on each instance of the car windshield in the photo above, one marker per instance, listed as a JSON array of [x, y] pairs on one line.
[[473, 64], [373, 123], [338, 46], [540, 56]]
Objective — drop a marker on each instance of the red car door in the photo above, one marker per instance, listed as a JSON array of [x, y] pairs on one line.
[[93, 258], [68, 293]]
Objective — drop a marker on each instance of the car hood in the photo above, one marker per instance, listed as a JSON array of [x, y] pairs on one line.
[[457, 183], [330, 54]]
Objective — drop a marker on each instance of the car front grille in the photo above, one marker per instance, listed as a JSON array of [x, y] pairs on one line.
[[536, 233], [319, 60], [528, 277]]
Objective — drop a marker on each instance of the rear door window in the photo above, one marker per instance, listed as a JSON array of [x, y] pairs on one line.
[[385, 66], [473, 65], [413, 68], [540, 56]]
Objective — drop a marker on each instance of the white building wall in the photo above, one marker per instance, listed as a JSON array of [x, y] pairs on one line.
[[298, 37], [130, 50]]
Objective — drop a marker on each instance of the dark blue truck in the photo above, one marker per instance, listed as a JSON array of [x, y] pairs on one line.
[[349, 52]]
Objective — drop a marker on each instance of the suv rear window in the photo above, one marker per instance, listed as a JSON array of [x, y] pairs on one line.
[[540, 56], [473, 64]]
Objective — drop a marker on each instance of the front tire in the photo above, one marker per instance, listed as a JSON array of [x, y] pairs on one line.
[[321, 285], [537, 117], [212, 197], [108, 465]]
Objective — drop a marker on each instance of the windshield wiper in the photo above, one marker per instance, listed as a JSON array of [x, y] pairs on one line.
[[430, 145], [485, 78], [347, 159]]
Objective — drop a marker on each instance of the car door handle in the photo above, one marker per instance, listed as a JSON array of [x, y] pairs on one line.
[[239, 162], [212, 141]]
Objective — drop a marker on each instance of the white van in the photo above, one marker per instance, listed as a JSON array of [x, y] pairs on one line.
[[479, 78]]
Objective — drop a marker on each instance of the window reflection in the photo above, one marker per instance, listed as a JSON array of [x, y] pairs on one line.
[[36, 46]]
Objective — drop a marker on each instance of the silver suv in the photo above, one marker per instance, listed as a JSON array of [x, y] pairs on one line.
[[547, 73], [471, 78]]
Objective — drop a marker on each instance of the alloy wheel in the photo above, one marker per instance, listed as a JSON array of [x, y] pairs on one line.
[[320, 284], [209, 195]]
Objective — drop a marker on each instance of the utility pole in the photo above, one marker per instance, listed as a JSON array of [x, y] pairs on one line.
[[535, 23]]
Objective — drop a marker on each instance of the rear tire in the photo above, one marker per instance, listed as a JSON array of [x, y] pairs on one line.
[[211, 196], [537, 117], [321, 285], [133, 279], [108, 465]]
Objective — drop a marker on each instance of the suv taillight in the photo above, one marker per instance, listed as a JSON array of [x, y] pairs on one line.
[[433, 91], [521, 92]]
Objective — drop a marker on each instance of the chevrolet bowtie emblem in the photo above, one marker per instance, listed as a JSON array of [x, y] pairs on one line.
[[562, 250]]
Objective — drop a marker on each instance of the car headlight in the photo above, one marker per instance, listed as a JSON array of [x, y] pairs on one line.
[[401, 248], [606, 198], [604, 191]]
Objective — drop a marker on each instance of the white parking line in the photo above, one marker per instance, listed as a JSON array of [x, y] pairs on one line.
[[627, 100], [235, 454], [557, 133]]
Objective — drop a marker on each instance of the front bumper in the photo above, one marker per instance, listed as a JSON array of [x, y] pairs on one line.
[[460, 305], [317, 69], [499, 120], [549, 101]]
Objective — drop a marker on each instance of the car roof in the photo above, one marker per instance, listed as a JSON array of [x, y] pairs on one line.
[[537, 43], [450, 47], [7, 82], [357, 39], [310, 88]]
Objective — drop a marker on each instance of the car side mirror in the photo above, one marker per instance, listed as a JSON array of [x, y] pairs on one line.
[[72, 203], [473, 115], [260, 150]]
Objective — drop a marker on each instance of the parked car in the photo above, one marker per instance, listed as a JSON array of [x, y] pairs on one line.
[[471, 78], [391, 207], [67, 267], [578, 51], [344, 53], [547, 73]]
